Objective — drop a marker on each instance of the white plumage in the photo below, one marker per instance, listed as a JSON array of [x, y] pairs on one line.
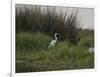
[[53, 42]]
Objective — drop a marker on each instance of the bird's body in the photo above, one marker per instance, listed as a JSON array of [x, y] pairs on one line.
[[53, 42]]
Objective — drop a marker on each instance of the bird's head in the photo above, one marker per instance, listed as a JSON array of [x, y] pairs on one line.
[[56, 34]]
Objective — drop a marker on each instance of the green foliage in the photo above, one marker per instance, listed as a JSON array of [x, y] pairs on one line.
[[87, 37], [31, 41]]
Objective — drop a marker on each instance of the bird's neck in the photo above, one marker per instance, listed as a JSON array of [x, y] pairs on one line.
[[55, 37]]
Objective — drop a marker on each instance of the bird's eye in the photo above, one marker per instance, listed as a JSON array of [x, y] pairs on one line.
[[57, 35]]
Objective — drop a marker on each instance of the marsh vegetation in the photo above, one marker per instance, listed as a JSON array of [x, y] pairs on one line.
[[35, 27]]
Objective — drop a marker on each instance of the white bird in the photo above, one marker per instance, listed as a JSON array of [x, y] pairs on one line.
[[53, 42]]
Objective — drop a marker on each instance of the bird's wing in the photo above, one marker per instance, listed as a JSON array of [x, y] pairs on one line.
[[51, 43]]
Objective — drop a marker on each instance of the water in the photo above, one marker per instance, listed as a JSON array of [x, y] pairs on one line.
[[91, 49]]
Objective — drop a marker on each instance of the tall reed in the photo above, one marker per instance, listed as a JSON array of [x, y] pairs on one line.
[[48, 20]]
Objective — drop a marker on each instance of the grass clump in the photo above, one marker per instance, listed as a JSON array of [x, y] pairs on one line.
[[31, 41]]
